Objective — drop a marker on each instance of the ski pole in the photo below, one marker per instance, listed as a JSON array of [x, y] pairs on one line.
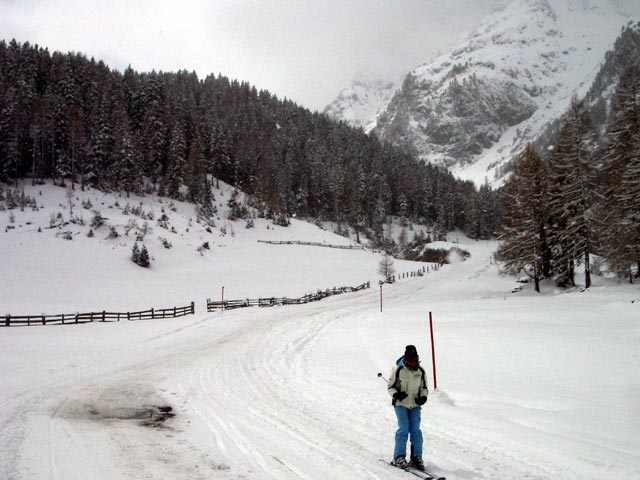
[[382, 377]]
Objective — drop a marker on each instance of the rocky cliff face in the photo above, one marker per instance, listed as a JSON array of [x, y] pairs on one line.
[[473, 108]]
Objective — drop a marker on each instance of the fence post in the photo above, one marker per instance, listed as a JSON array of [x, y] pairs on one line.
[[193, 308], [44, 321], [104, 315], [152, 314], [76, 318], [8, 320]]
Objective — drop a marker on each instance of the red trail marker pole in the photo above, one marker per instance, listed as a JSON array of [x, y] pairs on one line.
[[433, 353]]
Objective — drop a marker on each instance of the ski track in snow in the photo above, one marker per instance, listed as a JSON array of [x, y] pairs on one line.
[[260, 393]]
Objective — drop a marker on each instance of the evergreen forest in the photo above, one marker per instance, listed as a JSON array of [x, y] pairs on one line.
[[76, 121]]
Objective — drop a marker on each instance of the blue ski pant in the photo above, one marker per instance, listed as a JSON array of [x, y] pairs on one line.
[[408, 424]]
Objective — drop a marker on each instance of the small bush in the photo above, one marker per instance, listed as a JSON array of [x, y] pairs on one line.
[[140, 256]]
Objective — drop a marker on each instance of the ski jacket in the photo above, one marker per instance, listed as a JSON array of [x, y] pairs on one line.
[[403, 379]]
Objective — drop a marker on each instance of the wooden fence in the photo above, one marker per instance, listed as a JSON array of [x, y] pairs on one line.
[[273, 301], [313, 244], [104, 316]]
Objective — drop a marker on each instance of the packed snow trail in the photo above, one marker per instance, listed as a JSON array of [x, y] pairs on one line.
[[292, 392]]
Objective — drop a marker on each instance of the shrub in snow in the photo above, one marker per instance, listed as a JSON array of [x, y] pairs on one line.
[[203, 247], [98, 220], [163, 221], [132, 224], [165, 243], [142, 232], [282, 220], [55, 220], [236, 209], [140, 256], [113, 233]]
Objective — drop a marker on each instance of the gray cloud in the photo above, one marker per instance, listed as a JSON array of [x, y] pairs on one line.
[[303, 50]]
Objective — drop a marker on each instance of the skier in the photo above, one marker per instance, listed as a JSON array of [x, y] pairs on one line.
[[408, 387]]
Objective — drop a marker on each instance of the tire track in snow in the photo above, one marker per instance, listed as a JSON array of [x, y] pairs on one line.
[[271, 391]]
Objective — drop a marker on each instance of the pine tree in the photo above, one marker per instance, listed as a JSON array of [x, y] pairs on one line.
[[135, 253], [9, 152], [143, 259], [176, 161], [128, 176]]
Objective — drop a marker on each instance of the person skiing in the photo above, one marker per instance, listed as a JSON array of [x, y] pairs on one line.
[[407, 386]]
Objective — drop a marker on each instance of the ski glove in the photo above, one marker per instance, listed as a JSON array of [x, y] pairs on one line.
[[421, 400], [399, 396]]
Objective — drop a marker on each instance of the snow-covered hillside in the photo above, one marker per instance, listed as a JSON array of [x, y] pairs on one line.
[[529, 386], [95, 272], [474, 107]]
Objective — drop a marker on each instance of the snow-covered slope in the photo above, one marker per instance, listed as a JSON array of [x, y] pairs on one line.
[[361, 103], [48, 237], [529, 386], [473, 108]]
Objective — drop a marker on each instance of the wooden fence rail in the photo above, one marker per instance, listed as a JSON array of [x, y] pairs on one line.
[[273, 301], [104, 316], [314, 244]]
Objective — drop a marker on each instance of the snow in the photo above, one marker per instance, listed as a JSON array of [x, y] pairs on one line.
[[362, 102], [529, 386]]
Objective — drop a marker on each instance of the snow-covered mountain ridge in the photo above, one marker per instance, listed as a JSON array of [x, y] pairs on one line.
[[361, 103], [474, 107]]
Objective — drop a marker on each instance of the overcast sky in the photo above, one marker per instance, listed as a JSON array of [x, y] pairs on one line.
[[305, 50]]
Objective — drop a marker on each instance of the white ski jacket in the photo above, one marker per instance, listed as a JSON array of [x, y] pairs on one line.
[[413, 382]]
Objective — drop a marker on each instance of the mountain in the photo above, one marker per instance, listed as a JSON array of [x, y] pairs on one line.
[[362, 102], [598, 100], [474, 107]]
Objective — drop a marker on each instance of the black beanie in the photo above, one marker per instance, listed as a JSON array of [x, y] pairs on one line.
[[410, 351]]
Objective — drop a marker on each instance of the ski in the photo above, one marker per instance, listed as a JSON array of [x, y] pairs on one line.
[[424, 474]]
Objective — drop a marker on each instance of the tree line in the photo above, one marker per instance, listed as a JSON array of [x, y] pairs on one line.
[[583, 199], [74, 120]]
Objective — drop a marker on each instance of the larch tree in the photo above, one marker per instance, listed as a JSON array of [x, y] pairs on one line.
[[572, 194], [619, 213], [523, 238]]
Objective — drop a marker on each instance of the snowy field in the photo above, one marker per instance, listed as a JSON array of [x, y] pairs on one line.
[[529, 386]]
